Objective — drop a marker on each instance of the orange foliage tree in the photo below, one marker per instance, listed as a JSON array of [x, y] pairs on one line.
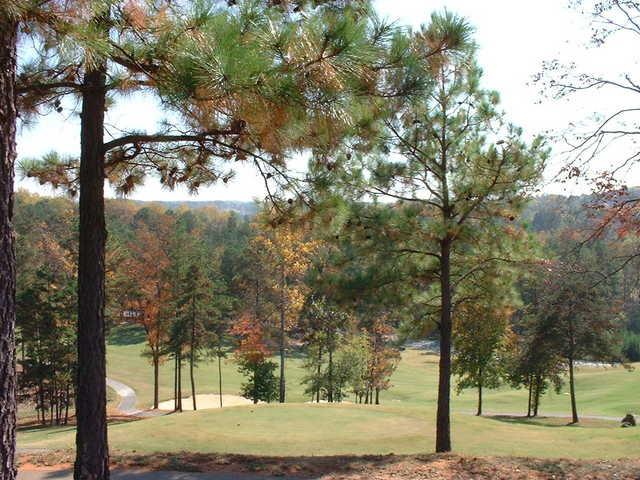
[[253, 357], [283, 256], [148, 288]]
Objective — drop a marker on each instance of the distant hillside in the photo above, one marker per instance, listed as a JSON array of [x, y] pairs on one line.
[[551, 212], [243, 208]]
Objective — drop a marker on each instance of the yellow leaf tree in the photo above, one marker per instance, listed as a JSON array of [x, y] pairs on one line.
[[282, 256]]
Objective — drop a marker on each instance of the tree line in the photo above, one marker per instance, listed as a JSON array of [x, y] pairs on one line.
[[202, 284]]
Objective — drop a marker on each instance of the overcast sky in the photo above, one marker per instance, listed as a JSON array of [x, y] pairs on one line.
[[514, 38]]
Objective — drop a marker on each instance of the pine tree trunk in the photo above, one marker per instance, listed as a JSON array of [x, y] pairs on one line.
[[193, 383], [156, 379], [377, 396], [50, 407], [536, 401], [56, 403], [41, 403], [330, 377], [66, 405], [179, 396], [443, 420], [220, 377], [192, 354], [8, 115], [282, 340], [175, 383], [92, 454], [479, 411], [572, 387], [318, 373], [530, 396]]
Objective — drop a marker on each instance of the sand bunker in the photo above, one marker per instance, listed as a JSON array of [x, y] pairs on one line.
[[206, 401]]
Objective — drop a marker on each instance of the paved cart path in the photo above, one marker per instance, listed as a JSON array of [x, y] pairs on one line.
[[147, 475]]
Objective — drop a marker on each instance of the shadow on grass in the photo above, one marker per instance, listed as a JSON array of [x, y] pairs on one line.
[[71, 426], [552, 422], [126, 335], [55, 429]]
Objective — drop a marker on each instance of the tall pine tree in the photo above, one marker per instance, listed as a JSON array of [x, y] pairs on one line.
[[458, 174]]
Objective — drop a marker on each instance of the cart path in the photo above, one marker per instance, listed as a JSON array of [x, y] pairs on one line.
[[149, 475], [128, 400]]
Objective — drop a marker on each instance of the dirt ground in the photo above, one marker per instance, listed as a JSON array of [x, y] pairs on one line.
[[421, 467]]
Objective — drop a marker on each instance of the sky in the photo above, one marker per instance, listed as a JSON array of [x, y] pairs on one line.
[[513, 37]]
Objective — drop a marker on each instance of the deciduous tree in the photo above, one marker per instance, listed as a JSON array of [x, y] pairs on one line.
[[578, 318], [284, 254], [252, 356]]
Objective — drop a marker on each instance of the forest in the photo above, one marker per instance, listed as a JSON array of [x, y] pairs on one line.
[[405, 273]]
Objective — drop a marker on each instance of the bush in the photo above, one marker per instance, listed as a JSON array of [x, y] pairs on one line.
[[262, 384], [631, 346]]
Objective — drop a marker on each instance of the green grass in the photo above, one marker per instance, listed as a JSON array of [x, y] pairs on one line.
[[404, 423], [297, 429]]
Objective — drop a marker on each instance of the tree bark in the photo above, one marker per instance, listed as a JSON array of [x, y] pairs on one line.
[[479, 411], [66, 405], [175, 383], [330, 377], [443, 420], [536, 400], [282, 339], [193, 384], [92, 454], [220, 377], [8, 117], [530, 396], [179, 395], [192, 353], [318, 373], [156, 379], [572, 388]]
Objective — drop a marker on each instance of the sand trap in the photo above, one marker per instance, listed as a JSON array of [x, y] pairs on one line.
[[206, 401]]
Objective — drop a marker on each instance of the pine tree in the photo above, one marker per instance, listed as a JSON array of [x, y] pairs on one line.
[[8, 116], [193, 310], [45, 312], [324, 325], [458, 174], [214, 68]]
